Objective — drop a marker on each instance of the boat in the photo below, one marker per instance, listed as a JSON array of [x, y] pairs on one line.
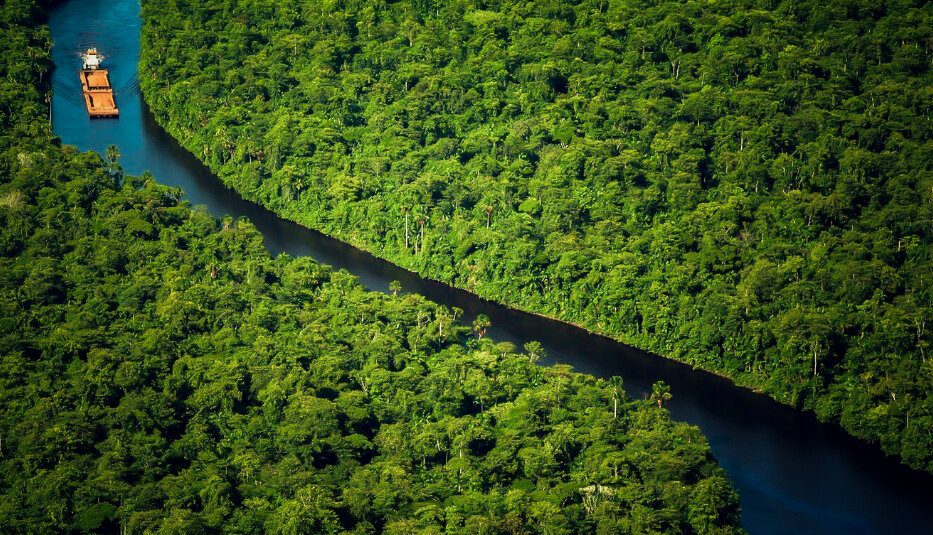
[[95, 82]]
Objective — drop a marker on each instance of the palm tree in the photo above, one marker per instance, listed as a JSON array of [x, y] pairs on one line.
[[615, 382], [395, 287], [534, 351], [661, 392], [480, 324], [442, 318]]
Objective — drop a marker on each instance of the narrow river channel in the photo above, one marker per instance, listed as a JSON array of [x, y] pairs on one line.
[[794, 474]]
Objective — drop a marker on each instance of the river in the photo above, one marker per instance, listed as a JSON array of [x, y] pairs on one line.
[[793, 473]]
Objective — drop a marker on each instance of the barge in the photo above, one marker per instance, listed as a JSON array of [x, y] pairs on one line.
[[95, 82]]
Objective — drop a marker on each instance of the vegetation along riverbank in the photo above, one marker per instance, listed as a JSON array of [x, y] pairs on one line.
[[161, 373], [745, 187]]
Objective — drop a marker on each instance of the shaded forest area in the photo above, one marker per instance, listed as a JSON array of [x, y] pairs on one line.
[[743, 186], [161, 373]]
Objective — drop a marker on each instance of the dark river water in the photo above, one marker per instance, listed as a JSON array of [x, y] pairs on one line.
[[794, 474]]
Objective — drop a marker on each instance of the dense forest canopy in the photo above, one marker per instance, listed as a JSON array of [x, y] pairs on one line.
[[744, 186], [161, 373]]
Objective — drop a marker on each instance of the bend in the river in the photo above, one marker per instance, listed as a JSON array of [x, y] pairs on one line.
[[794, 474]]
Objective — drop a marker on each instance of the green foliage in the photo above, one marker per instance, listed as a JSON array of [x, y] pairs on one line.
[[660, 392], [742, 186], [162, 374], [480, 324]]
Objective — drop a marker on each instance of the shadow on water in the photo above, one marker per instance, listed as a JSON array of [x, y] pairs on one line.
[[794, 474]]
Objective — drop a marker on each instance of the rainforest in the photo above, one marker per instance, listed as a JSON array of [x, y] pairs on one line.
[[162, 373], [732, 197], [742, 186]]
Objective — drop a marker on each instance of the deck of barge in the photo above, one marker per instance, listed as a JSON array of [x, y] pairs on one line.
[[98, 94]]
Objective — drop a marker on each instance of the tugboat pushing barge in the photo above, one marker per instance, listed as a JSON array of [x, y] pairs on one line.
[[98, 94]]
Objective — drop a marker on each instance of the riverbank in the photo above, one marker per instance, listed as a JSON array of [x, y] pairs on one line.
[[793, 474], [583, 219], [162, 372]]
